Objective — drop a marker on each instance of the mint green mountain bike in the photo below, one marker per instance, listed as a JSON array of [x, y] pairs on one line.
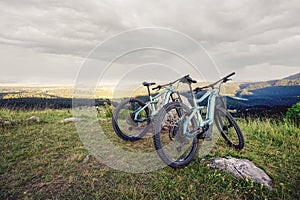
[[131, 118], [177, 128]]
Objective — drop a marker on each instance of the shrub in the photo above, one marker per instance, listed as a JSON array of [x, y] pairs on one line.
[[108, 110], [293, 113]]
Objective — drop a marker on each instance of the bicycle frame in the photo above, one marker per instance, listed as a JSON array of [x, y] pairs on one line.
[[168, 91], [153, 100], [211, 96]]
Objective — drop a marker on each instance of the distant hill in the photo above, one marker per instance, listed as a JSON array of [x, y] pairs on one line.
[[252, 98], [273, 96], [295, 76], [271, 88]]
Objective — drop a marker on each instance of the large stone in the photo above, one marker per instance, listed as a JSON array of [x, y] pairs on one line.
[[242, 168], [5, 122], [71, 119], [34, 118]]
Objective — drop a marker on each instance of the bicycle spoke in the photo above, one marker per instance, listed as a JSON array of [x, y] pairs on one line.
[[229, 128], [129, 121], [175, 148]]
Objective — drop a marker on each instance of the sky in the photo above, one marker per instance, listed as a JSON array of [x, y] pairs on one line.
[[49, 42]]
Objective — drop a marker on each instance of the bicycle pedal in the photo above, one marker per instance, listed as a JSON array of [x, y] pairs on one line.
[[201, 136], [204, 137]]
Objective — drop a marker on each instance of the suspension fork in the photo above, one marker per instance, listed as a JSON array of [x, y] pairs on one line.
[[221, 100], [180, 100], [190, 116]]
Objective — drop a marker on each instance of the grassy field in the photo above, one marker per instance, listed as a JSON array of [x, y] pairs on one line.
[[45, 161]]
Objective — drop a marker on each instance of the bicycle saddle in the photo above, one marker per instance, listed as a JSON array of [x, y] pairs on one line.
[[148, 84]]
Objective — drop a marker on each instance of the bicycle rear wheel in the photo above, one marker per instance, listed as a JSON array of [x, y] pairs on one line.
[[229, 128], [172, 146], [126, 124]]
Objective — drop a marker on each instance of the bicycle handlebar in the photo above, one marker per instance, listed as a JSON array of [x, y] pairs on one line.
[[223, 80], [185, 79]]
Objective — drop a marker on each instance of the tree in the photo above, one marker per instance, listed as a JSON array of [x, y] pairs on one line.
[[293, 113]]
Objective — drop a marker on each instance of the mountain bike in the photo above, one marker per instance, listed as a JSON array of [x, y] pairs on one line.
[[177, 128], [131, 118]]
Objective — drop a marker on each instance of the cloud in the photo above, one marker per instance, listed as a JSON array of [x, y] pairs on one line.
[[25, 65], [62, 28], [236, 33]]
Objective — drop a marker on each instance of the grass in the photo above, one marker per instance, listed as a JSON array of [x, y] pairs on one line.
[[45, 161]]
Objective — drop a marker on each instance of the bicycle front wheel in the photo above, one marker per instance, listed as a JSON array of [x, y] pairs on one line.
[[130, 121], [172, 146], [229, 128]]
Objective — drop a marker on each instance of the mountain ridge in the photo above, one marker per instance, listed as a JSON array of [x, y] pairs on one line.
[[294, 76], [272, 87]]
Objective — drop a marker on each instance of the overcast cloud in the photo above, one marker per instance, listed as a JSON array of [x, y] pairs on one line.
[[260, 40]]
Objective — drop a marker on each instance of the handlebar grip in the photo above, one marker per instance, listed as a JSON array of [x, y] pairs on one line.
[[193, 81], [226, 77]]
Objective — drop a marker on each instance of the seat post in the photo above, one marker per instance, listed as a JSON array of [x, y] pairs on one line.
[[148, 85], [148, 90]]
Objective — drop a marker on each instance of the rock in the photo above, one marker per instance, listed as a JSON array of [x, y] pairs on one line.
[[242, 168], [34, 118], [71, 119], [5, 122], [86, 159], [71, 179]]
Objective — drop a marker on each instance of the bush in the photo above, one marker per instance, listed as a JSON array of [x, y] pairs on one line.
[[293, 113], [108, 110]]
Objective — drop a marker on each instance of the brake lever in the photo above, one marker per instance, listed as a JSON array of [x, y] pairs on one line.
[[227, 79], [197, 89]]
